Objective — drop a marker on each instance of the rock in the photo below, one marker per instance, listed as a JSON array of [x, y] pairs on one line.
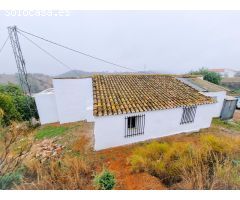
[[54, 153], [48, 149], [59, 150]]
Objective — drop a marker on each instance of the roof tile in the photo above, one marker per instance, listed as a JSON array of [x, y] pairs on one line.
[[120, 94]]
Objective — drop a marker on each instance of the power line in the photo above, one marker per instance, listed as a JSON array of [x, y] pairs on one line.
[[4, 44], [76, 51], [45, 51]]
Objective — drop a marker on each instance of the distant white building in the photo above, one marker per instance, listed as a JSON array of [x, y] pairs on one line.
[[228, 73], [129, 108]]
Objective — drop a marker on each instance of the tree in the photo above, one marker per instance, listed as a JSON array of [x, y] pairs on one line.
[[11, 89], [9, 109], [212, 77], [15, 104]]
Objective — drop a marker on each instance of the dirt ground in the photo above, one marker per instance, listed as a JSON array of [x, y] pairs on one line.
[[236, 116], [116, 160]]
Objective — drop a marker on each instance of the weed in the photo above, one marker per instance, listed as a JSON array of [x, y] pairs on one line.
[[105, 180], [227, 124], [8, 180]]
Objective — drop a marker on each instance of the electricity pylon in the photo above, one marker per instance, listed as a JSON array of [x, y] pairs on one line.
[[21, 65]]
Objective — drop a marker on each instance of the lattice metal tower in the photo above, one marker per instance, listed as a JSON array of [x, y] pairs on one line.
[[21, 66]]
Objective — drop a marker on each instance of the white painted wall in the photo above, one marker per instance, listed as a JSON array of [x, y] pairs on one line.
[[109, 131], [220, 100], [46, 106], [74, 99]]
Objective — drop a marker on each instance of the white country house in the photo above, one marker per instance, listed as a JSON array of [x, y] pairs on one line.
[[127, 108]]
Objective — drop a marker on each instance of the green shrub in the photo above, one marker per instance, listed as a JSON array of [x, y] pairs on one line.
[[15, 104], [212, 77], [8, 107], [7, 181], [105, 180]]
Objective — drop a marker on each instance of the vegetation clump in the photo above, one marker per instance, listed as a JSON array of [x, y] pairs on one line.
[[230, 125], [7, 181], [72, 173], [15, 145], [14, 103], [105, 180], [212, 77], [185, 165]]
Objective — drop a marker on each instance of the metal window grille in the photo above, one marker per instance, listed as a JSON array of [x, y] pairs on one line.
[[134, 125], [188, 115]]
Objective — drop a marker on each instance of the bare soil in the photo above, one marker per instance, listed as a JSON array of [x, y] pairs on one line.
[[236, 116], [116, 160]]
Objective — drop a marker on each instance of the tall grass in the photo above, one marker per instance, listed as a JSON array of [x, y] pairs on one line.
[[68, 173], [185, 165], [72, 171]]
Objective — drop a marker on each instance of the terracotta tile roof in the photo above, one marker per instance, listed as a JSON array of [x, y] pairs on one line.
[[120, 94]]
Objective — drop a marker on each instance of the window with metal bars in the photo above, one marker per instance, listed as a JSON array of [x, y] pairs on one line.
[[188, 115], [134, 125]]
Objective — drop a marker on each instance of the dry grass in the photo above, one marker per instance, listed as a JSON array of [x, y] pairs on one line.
[[67, 173], [74, 170], [187, 165]]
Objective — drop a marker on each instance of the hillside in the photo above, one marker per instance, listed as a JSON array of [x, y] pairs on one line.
[[80, 73], [40, 82], [37, 81], [233, 84]]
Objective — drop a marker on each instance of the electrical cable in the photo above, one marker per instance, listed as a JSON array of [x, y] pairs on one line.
[[45, 51], [4, 44], [76, 51]]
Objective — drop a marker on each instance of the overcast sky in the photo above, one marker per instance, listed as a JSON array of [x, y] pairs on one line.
[[164, 41]]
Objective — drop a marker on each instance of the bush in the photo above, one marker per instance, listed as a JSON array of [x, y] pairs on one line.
[[212, 77], [190, 166], [9, 111], [16, 105], [7, 181], [105, 180], [162, 160]]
